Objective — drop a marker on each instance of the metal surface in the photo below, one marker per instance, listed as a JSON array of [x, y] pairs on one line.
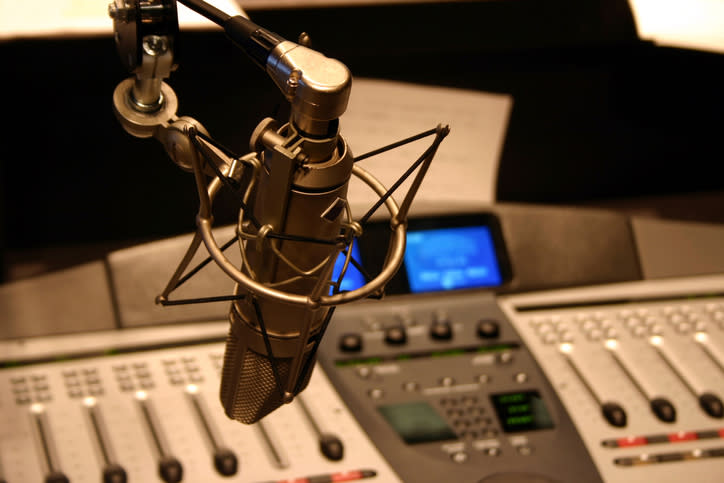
[[317, 87]]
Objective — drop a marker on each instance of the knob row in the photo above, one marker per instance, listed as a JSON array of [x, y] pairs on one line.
[[440, 330]]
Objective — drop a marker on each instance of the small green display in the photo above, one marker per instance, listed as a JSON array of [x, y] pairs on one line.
[[417, 422], [521, 411]]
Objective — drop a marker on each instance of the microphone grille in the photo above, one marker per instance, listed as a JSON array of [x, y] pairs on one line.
[[249, 388]]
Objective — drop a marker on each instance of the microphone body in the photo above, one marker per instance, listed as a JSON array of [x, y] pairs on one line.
[[309, 204]]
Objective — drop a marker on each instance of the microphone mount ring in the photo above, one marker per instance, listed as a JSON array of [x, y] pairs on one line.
[[394, 257]]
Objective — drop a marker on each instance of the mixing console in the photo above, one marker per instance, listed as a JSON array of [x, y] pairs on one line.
[[618, 383], [466, 371], [639, 367], [154, 415]]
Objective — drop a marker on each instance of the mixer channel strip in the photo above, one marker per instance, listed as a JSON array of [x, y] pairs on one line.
[[154, 415], [653, 369]]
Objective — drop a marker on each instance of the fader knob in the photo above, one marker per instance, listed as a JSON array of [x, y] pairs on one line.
[[614, 414], [225, 462], [663, 410], [712, 405], [170, 470], [331, 446], [56, 477], [114, 474]]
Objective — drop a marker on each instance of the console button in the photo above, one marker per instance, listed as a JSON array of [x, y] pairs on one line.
[[441, 330], [488, 329], [505, 357], [350, 343], [520, 377], [447, 381], [459, 457], [411, 386], [396, 335]]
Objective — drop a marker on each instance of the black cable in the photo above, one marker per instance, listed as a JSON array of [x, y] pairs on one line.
[[256, 41], [209, 11]]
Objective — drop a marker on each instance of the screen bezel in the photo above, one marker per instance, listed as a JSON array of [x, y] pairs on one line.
[[378, 234]]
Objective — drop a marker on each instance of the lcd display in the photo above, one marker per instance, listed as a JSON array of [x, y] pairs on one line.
[[417, 422], [451, 258], [521, 411]]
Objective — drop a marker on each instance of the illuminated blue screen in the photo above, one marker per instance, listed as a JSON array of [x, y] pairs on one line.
[[451, 258], [353, 279]]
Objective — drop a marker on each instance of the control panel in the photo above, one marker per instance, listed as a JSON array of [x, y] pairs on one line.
[[154, 415], [460, 373], [640, 369], [445, 386]]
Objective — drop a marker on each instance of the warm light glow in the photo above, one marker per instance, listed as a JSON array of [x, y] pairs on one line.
[[89, 401], [612, 344], [656, 340], [692, 24], [566, 348], [141, 395], [192, 389], [37, 408], [701, 337]]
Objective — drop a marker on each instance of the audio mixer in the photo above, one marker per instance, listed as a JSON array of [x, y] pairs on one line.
[[640, 370], [142, 414], [441, 380]]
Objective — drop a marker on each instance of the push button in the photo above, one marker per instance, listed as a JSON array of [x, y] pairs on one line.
[[350, 343], [441, 330], [396, 335], [488, 329]]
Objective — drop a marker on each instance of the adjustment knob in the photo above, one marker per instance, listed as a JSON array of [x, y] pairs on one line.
[[488, 329], [170, 469], [225, 462], [614, 414], [114, 473], [712, 405], [441, 330], [56, 477], [663, 409], [396, 335], [331, 447], [350, 343]]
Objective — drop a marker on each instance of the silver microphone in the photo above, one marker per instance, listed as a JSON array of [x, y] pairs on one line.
[[294, 220], [301, 193]]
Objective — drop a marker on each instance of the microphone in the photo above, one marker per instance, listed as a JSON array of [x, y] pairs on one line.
[[301, 194], [271, 346], [294, 219]]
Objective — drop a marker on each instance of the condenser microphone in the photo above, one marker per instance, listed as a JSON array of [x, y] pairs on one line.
[[294, 220], [300, 195], [271, 347]]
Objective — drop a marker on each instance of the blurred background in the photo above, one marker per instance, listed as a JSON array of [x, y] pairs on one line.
[[605, 113]]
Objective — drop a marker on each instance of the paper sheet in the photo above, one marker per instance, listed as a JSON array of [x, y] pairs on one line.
[[466, 166], [690, 24], [42, 18]]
